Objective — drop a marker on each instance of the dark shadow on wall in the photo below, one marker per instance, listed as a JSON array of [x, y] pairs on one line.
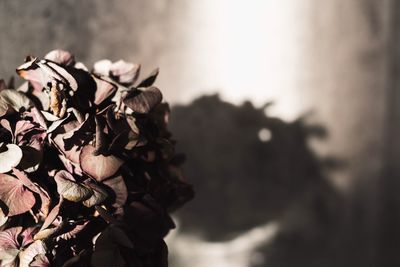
[[249, 169]]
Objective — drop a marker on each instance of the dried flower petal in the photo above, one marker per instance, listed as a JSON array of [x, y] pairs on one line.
[[69, 189], [99, 195], [12, 100], [61, 57], [15, 195], [103, 144], [10, 156], [99, 167], [143, 101], [28, 255]]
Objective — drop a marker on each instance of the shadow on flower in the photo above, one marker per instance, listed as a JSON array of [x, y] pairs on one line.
[[88, 173]]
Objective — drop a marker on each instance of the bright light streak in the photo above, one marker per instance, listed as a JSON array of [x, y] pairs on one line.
[[238, 252], [248, 50]]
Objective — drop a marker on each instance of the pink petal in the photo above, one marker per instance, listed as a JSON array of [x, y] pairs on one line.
[[104, 90], [69, 189], [61, 57], [26, 257], [13, 193], [118, 186], [99, 167], [143, 101]]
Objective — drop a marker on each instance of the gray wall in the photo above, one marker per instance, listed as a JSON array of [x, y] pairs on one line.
[[342, 63]]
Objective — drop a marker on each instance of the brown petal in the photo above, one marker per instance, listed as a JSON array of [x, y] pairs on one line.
[[28, 255], [120, 190], [99, 167], [149, 80], [104, 90], [99, 195], [143, 101], [69, 189], [125, 72], [13, 193]]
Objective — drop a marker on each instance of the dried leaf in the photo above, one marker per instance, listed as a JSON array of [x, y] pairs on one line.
[[61, 57], [52, 215], [99, 167], [69, 189], [144, 101], [125, 72], [9, 247], [104, 90], [120, 190], [149, 80], [28, 255], [13, 100], [99, 195], [14, 194]]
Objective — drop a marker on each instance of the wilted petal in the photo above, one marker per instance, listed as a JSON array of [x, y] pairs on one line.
[[99, 167], [42, 234], [61, 57], [9, 247], [27, 256], [3, 217], [26, 237], [40, 260], [99, 195], [73, 232], [104, 90], [52, 215], [31, 159], [13, 100], [44, 196], [13, 193], [102, 67], [143, 101], [57, 123], [120, 190], [107, 252], [149, 80], [124, 72], [113, 235], [69, 189], [10, 156], [22, 127], [44, 71], [49, 117], [81, 66]]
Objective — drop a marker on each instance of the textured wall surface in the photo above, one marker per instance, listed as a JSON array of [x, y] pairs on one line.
[[338, 58]]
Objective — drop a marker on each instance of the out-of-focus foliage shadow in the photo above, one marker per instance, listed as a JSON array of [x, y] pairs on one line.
[[248, 169]]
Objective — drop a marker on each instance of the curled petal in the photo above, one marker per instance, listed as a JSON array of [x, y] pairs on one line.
[[27, 256], [61, 57], [125, 72], [120, 190], [99, 167], [99, 195], [15, 195], [12, 100], [102, 67], [69, 189], [143, 101], [9, 247]]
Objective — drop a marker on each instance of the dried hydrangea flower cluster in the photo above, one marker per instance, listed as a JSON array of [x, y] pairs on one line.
[[88, 173]]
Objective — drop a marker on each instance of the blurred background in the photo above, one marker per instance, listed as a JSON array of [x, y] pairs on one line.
[[288, 112]]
